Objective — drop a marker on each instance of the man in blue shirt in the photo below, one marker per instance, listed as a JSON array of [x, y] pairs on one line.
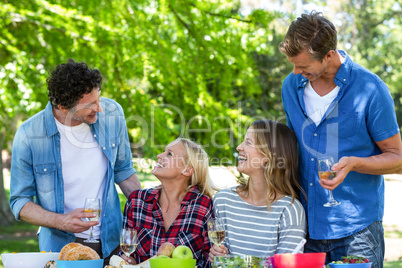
[[76, 148], [337, 108]]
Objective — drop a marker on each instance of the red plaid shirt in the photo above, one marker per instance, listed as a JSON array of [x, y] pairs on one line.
[[143, 213]]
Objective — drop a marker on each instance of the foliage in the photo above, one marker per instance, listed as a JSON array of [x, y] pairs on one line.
[[178, 68], [370, 31], [198, 69]]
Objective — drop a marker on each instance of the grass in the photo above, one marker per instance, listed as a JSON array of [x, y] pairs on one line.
[[21, 236], [392, 231], [393, 264]]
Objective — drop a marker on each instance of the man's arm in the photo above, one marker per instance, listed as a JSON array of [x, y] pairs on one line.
[[388, 162], [129, 185], [70, 222]]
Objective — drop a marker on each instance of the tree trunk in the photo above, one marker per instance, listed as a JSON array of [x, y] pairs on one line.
[[6, 216]]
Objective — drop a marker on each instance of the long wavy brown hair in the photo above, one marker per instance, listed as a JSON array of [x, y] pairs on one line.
[[279, 145]]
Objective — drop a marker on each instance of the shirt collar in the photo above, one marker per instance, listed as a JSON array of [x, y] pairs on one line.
[[50, 123], [191, 195], [342, 76]]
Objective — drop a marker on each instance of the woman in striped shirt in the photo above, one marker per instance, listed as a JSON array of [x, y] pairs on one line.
[[262, 215]]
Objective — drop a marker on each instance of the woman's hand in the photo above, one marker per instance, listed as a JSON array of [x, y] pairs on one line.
[[217, 251], [130, 260]]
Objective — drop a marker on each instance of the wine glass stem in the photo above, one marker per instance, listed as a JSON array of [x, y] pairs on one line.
[[90, 233], [331, 197]]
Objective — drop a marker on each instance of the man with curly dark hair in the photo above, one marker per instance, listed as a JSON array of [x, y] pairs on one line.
[[76, 148]]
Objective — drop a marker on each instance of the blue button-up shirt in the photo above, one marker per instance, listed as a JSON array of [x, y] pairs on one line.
[[361, 114], [36, 171]]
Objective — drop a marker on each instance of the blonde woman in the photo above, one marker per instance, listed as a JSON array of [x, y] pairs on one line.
[[262, 215], [178, 209]]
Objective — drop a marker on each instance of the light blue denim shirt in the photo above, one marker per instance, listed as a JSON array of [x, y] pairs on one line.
[[36, 171], [361, 114]]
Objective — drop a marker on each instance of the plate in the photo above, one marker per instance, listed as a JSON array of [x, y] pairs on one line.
[[28, 259]]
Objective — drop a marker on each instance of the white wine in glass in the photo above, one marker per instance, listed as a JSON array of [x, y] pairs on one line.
[[216, 231], [92, 205], [325, 173], [128, 241]]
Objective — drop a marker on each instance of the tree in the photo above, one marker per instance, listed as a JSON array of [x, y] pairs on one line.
[[371, 32], [178, 68]]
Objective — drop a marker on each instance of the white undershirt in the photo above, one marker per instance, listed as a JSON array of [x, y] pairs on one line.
[[317, 105], [84, 168]]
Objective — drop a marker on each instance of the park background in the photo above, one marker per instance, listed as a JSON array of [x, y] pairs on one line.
[[199, 69]]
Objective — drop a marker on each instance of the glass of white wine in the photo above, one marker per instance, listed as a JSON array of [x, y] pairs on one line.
[[325, 173], [216, 231], [92, 205], [128, 241]]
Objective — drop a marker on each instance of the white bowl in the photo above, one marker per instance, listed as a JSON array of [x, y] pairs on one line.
[[80, 264], [28, 259]]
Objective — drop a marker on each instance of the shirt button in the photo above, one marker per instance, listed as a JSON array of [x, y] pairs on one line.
[[104, 148], [315, 134], [113, 145], [312, 159], [45, 169], [344, 80], [311, 184]]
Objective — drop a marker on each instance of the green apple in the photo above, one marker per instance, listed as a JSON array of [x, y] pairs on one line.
[[182, 252]]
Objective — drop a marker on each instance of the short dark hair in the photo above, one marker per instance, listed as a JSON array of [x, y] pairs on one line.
[[68, 83], [312, 33]]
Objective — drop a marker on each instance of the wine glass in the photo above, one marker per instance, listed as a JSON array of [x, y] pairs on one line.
[[92, 205], [216, 231], [128, 241], [325, 173]]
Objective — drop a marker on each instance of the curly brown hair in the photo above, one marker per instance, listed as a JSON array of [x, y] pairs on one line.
[[70, 81]]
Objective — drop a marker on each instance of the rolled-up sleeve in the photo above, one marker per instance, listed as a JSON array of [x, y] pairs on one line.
[[22, 183], [124, 164]]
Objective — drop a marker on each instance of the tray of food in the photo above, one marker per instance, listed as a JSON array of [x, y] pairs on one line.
[[245, 261]]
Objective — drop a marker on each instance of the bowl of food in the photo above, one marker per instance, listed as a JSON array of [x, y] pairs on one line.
[[80, 264], [76, 255], [302, 260], [229, 261], [350, 265], [28, 259], [172, 263], [351, 261]]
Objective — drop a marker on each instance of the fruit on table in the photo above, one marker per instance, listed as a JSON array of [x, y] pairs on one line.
[[352, 259], [166, 249], [182, 252]]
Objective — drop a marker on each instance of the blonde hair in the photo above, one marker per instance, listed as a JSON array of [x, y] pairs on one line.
[[197, 158], [279, 145]]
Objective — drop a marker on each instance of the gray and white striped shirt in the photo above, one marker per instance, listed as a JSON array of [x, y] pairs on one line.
[[253, 230]]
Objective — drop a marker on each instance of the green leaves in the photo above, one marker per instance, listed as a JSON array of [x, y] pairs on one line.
[[198, 69]]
